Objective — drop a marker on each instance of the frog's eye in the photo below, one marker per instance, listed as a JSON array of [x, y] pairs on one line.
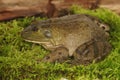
[[47, 34]]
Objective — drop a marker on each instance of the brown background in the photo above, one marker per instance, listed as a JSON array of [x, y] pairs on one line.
[[14, 8]]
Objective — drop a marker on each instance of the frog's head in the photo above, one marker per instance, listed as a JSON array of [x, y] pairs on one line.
[[42, 33]]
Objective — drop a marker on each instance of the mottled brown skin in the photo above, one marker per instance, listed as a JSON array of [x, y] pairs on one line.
[[69, 34], [100, 24], [60, 55], [94, 50]]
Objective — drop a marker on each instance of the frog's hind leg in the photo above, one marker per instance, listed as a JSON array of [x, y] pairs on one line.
[[91, 51]]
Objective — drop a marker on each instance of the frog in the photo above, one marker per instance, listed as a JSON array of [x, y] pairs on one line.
[[65, 36]]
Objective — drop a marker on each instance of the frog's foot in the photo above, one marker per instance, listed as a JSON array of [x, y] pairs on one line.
[[59, 55], [91, 51]]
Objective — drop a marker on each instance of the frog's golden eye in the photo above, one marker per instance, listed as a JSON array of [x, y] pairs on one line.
[[47, 33]]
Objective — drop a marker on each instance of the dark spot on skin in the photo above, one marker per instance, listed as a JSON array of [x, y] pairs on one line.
[[96, 50], [47, 57], [78, 51], [103, 27], [57, 60], [71, 57], [34, 28], [59, 53], [98, 23]]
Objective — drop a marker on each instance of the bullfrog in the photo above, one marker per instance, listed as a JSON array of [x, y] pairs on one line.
[[65, 36]]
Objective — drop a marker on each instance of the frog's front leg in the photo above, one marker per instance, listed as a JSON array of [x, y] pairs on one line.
[[60, 55]]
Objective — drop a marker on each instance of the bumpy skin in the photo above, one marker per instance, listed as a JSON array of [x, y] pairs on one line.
[[60, 55], [95, 50], [100, 24], [71, 32]]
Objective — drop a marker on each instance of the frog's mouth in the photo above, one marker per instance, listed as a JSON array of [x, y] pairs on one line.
[[47, 45]]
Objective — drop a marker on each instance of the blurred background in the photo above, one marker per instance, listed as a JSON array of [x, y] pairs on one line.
[[20, 8]]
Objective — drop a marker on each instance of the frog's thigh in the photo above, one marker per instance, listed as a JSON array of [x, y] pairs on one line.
[[104, 49], [92, 50], [83, 50]]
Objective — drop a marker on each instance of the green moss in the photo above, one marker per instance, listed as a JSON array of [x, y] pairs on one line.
[[18, 58]]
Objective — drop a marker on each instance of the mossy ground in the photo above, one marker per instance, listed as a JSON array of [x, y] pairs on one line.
[[18, 58]]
